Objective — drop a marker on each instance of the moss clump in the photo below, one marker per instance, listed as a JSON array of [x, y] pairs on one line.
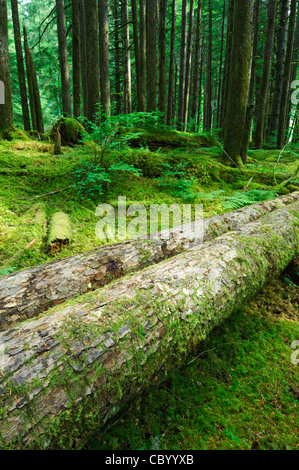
[[60, 231], [13, 134], [72, 132]]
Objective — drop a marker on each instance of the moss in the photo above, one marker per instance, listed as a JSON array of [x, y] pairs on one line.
[[13, 134], [72, 132]]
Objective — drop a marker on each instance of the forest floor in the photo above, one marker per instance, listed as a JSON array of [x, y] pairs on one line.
[[241, 392]]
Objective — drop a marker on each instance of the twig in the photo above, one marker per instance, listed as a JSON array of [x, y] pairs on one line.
[[200, 355], [49, 194], [278, 160]]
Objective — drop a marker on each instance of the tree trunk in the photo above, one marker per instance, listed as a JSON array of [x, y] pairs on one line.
[[136, 47], [281, 134], [76, 58], [188, 65], [6, 113], [35, 102], [104, 56], [27, 293], [20, 65], [182, 65], [151, 54], [64, 374], [239, 79], [117, 58], [227, 63], [83, 56], [92, 58], [280, 59], [250, 104], [172, 77], [267, 59], [142, 50], [63, 59], [220, 65], [196, 71], [162, 96], [208, 114], [126, 59]]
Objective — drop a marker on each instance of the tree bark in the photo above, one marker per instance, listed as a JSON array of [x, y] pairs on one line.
[[172, 77], [142, 64], [64, 374], [281, 133], [267, 59], [27, 293], [208, 100], [63, 59], [104, 56], [239, 78], [83, 56], [92, 58], [151, 54], [126, 58], [196, 69], [188, 65], [76, 58], [6, 113], [182, 65], [162, 95], [20, 65]]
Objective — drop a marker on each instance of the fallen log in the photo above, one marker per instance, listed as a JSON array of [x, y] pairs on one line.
[[29, 292], [63, 374], [60, 232]]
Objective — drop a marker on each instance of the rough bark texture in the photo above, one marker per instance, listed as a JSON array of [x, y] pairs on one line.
[[126, 58], [6, 114], [171, 77], [27, 293], [104, 56], [20, 65], [63, 59], [142, 60], [76, 58], [92, 58], [151, 54], [65, 373], [182, 64], [162, 99]]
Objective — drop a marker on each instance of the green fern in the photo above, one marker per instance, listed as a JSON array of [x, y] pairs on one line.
[[238, 200]]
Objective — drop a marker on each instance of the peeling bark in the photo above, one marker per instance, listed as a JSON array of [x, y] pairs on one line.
[[64, 373], [27, 293]]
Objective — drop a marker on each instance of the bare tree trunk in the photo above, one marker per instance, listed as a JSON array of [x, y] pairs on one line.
[[104, 56], [142, 84], [250, 104], [281, 137], [196, 71], [83, 57], [76, 58], [171, 77], [280, 59], [64, 374], [6, 113], [63, 59], [220, 65], [182, 65], [35, 102], [92, 58], [267, 60], [188, 65], [126, 59], [20, 64], [117, 58], [162, 98], [136, 48], [151, 54], [208, 114], [227, 64]]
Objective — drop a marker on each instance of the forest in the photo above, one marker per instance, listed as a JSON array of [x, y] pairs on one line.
[[149, 235]]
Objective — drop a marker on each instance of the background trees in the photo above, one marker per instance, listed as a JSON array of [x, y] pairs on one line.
[[174, 56]]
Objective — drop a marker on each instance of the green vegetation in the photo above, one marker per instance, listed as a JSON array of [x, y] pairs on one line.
[[239, 392], [106, 167]]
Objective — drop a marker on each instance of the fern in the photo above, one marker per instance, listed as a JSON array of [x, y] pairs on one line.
[[238, 200]]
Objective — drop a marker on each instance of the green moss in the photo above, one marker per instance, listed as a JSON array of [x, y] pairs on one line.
[[72, 132]]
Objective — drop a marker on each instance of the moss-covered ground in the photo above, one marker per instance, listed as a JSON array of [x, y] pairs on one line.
[[240, 391], [181, 170]]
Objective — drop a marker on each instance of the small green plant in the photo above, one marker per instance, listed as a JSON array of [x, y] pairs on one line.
[[173, 180]]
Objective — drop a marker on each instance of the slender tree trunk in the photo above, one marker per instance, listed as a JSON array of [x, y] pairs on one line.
[[63, 59], [136, 47], [92, 58], [182, 64], [83, 57], [151, 54], [35, 106], [280, 59], [267, 59], [76, 58], [220, 65], [286, 78], [195, 77], [294, 67], [227, 63], [142, 59], [104, 56], [126, 58], [20, 64], [162, 96], [208, 114], [250, 105], [239, 78], [188, 65], [171, 77], [117, 58], [6, 113]]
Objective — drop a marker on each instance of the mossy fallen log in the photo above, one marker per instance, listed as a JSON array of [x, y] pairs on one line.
[[60, 232], [63, 374], [29, 292]]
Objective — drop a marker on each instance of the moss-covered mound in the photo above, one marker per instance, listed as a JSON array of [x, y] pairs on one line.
[[72, 132], [13, 134]]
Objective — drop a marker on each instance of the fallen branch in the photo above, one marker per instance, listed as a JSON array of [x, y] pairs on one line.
[[27, 293], [65, 373]]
